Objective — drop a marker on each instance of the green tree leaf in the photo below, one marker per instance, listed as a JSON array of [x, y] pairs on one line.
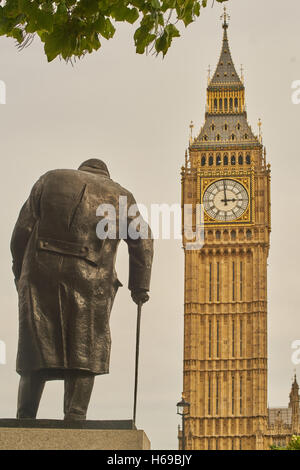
[[54, 43], [17, 33], [156, 4], [104, 26]]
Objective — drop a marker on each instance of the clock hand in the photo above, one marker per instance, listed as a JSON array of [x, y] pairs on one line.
[[229, 200], [233, 200], [224, 200]]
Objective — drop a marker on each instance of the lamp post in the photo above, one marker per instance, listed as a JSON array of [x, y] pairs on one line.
[[183, 410]]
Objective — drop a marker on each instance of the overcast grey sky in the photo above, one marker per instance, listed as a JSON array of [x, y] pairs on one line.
[[134, 111]]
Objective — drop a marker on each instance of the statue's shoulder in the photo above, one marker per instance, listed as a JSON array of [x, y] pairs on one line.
[[95, 181], [60, 172], [61, 176], [121, 190]]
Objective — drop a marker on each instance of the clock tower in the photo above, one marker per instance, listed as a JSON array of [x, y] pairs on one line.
[[225, 304]]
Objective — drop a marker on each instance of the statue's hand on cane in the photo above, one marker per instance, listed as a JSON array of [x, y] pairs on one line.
[[140, 296]]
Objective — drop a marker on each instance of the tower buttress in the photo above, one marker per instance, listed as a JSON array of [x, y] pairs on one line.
[[294, 405]]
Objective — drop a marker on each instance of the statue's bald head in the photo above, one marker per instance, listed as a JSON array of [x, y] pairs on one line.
[[94, 165]]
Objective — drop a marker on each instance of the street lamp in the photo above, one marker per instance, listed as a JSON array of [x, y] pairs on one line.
[[183, 410]]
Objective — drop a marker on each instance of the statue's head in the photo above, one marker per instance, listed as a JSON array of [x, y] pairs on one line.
[[95, 166]]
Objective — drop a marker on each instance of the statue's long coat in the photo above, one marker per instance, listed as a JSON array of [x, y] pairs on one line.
[[65, 274]]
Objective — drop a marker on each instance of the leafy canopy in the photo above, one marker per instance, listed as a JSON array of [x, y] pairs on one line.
[[72, 28]]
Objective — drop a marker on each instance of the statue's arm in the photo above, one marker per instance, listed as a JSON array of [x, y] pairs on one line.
[[28, 216], [140, 257]]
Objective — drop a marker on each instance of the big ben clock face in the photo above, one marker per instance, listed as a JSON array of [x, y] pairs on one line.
[[225, 200]]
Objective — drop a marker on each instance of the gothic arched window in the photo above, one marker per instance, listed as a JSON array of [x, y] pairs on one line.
[[248, 159], [211, 160], [241, 160], [225, 160], [232, 159], [218, 161], [203, 160]]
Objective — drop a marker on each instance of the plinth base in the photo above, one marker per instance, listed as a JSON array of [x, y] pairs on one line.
[[41, 434]]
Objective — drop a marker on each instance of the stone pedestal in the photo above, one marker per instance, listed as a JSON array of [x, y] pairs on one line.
[[40, 434]]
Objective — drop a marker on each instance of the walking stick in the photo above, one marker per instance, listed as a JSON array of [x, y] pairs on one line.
[[138, 326]]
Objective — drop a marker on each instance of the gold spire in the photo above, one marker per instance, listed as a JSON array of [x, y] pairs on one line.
[[242, 73], [208, 77], [225, 72], [225, 17], [191, 134], [259, 130]]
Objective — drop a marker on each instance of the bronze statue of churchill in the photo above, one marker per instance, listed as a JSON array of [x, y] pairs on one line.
[[66, 282]]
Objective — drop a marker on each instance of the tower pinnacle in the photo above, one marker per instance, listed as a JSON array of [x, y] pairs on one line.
[[225, 73], [226, 17], [294, 404], [225, 117]]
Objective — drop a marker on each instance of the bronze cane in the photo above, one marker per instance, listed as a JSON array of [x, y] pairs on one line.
[[138, 326]]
